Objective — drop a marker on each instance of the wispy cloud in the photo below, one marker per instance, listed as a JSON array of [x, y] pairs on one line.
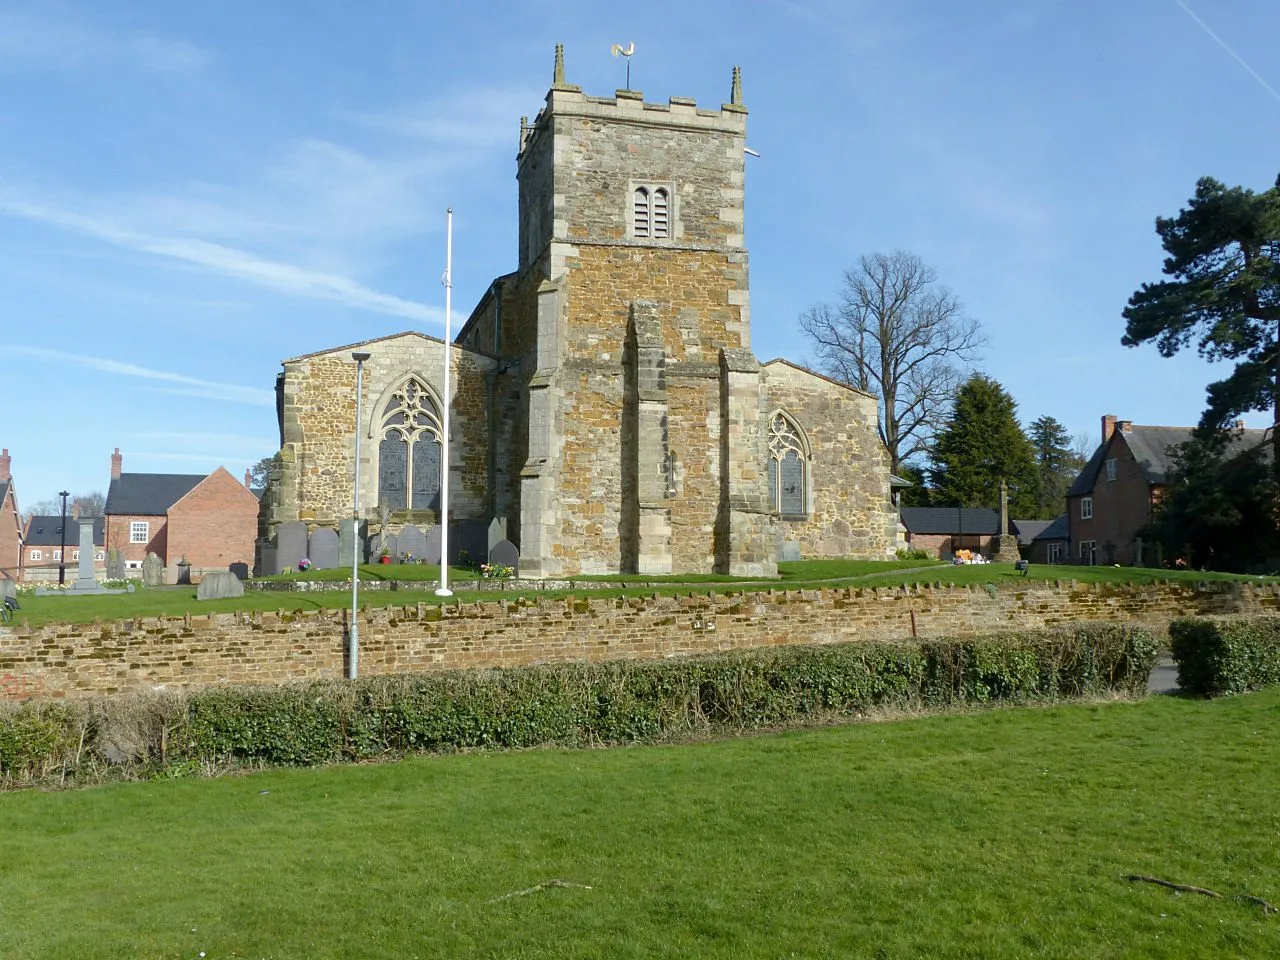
[[1223, 44], [482, 117], [229, 261], [209, 389], [30, 42]]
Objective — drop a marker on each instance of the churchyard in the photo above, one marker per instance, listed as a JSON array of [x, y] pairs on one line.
[[1006, 833]]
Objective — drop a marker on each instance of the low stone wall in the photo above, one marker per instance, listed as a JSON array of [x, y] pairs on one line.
[[72, 660], [492, 585]]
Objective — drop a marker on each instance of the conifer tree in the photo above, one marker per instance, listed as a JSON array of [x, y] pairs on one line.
[[1056, 466], [982, 444]]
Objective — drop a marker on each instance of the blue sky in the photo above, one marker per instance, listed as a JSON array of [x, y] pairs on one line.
[[190, 193]]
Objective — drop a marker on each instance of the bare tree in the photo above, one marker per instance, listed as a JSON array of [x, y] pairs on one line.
[[89, 504], [899, 335]]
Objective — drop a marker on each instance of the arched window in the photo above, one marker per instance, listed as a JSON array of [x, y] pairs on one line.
[[788, 468], [640, 212], [660, 219], [409, 471]]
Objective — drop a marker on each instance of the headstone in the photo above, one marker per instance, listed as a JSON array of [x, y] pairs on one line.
[[219, 584], [431, 549], [152, 571], [240, 571], [267, 565], [350, 537], [788, 551], [504, 552], [497, 531], [115, 565], [387, 542], [291, 545], [413, 541], [86, 582], [324, 549], [471, 536]]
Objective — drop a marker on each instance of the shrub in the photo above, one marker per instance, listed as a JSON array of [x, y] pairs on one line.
[[1226, 655], [621, 702], [914, 553]]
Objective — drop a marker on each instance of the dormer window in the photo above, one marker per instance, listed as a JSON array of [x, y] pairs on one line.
[[650, 212]]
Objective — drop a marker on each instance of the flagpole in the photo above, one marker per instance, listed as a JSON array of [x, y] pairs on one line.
[[443, 590]]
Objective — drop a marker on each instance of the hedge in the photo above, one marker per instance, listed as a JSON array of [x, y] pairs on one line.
[[574, 705], [1226, 654]]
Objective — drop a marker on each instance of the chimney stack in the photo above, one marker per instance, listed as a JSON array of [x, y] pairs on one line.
[[1124, 426], [1108, 426], [4, 465], [117, 462], [248, 478]]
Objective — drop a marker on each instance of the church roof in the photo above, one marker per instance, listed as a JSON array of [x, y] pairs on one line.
[[814, 373], [364, 343], [148, 494]]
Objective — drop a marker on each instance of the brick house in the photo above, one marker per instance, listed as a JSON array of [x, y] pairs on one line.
[[1111, 500], [1050, 543], [212, 520], [10, 522], [44, 545], [941, 531]]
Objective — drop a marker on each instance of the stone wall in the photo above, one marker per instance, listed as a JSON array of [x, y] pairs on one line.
[[62, 660], [851, 512]]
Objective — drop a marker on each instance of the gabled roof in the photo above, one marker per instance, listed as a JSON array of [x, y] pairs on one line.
[[45, 531], [1028, 529], [814, 373], [1153, 448], [955, 521], [148, 494], [363, 343], [4, 489], [1056, 530]]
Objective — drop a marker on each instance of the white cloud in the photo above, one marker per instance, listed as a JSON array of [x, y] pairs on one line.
[[193, 386], [29, 42]]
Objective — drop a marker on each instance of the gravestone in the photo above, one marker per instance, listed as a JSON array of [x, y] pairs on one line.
[[384, 541], [414, 541], [152, 571], [240, 570], [291, 545], [431, 550], [504, 552], [324, 549], [267, 565], [349, 538], [115, 565], [218, 585], [788, 550], [497, 532]]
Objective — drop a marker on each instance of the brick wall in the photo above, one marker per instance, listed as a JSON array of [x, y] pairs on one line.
[[10, 533], [1121, 507], [214, 525], [61, 660], [117, 536]]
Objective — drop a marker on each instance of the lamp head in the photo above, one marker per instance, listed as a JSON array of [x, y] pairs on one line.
[[361, 357]]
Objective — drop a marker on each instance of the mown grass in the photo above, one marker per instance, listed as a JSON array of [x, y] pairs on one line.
[[1000, 834], [178, 601], [402, 572]]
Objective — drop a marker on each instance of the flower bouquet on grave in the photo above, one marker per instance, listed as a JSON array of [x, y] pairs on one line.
[[495, 571], [304, 565]]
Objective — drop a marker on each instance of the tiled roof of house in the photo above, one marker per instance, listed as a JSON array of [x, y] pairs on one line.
[[47, 532], [1027, 529], [955, 521], [1055, 530], [148, 494], [1153, 448], [4, 489]]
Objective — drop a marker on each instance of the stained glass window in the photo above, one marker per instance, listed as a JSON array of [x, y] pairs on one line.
[[788, 468], [409, 467]]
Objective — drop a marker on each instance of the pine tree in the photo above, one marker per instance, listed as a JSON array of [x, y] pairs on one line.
[[1056, 466], [981, 445]]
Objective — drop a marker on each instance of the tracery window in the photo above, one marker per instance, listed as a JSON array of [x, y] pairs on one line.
[[788, 468], [409, 468]]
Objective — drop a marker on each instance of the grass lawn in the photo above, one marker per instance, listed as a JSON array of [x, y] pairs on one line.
[[998, 834], [404, 572], [176, 601]]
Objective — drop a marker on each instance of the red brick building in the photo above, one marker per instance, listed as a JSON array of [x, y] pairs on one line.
[[1111, 500], [210, 521], [44, 545], [941, 531], [10, 522]]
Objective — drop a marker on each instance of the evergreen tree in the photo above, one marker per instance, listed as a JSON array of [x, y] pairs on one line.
[[981, 445], [918, 494], [1056, 466]]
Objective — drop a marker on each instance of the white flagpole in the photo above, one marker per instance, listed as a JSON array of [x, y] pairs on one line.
[[443, 590]]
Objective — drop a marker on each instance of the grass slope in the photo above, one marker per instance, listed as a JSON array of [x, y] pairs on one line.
[[1002, 834]]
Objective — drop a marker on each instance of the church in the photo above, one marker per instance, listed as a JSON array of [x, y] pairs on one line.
[[605, 403]]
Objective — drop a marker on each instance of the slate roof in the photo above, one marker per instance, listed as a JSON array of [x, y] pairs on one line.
[[4, 489], [148, 494], [47, 531], [1153, 447], [1056, 529], [968, 521], [1027, 530]]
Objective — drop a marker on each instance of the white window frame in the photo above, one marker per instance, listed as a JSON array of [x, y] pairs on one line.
[[1089, 552], [1111, 470], [75, 556], [1086, 508], [37, 555], [99, 556], [1055, 552], [57, 554], [139, 531]]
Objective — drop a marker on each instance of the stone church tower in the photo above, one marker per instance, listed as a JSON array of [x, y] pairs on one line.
[[612, 408]]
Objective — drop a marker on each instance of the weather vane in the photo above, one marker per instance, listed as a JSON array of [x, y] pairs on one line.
[[618, 50]]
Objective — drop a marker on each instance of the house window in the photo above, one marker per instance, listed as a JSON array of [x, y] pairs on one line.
[[1086, 508], [99, 556], [75, 555], [1057, 552], [138, 531], [788, 468], [57, 554], [1089, 552], [1111, 469], [651, 212], [37, 555], [409, 462]]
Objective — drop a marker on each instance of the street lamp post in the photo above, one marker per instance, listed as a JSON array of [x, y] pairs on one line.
[[353, 651], [62, 540]]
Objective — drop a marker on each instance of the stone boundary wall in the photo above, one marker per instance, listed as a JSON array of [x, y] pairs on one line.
[[77, 660], [491, 585]]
